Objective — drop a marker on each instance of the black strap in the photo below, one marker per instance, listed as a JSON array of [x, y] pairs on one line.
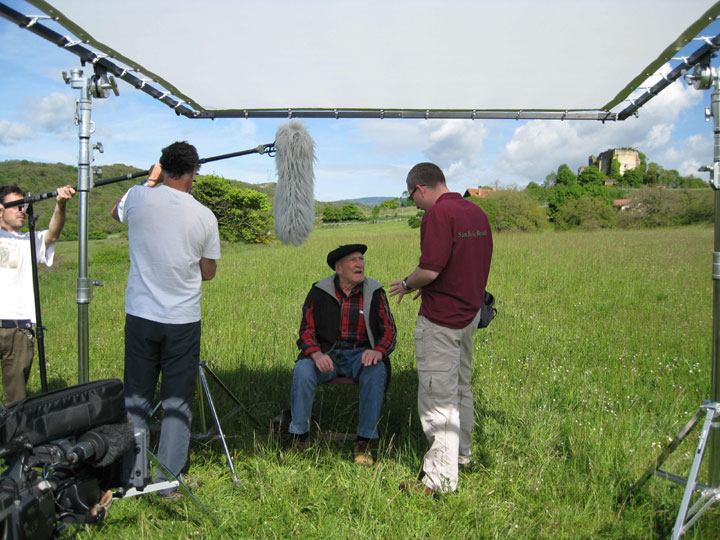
[[20, 323]]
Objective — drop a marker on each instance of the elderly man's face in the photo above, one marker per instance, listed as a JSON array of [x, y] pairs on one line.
[[351, 268]]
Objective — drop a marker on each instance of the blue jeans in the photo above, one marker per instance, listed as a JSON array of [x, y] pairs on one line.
[[371, 379]]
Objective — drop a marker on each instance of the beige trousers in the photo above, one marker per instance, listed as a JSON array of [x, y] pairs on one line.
[[445, 400], [16, 353]]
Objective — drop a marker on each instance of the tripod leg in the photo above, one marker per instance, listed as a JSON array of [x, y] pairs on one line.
[[203, 365], [180, 483], [680, 525], [211, 405], [201, 402], [664, 455]]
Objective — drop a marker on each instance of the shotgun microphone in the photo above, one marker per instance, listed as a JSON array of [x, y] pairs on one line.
[[104, 444], [294, 207]]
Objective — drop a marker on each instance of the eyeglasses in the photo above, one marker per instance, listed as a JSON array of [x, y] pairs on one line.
[[18, 207], [412, 193]]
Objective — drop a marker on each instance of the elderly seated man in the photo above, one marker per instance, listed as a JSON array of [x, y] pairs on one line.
[[347, 330]]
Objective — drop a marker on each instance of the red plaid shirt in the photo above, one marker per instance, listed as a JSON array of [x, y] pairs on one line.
[[352, 322]]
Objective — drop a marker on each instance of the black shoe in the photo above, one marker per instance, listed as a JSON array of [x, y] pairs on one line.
[[281, 423], [292, 441]]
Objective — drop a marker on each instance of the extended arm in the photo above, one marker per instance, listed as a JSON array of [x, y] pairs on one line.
[[57, 221], [153, 179]]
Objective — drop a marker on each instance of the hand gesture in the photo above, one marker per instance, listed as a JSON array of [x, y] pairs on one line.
[[396, 288]]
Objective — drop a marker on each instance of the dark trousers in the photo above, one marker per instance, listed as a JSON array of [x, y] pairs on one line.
[[152, 348]]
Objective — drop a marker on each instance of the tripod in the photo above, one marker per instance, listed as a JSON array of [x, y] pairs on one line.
[[687, 515], [216, 432], [204, 396]]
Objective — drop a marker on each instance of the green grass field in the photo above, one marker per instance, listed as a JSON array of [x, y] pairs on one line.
[[600, 350]]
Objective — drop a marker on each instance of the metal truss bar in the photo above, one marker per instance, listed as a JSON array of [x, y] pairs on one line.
[[710, 45], [467, 114], [87, 55]]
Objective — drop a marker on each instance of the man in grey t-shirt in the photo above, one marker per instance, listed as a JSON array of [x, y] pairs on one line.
[[174, 244]]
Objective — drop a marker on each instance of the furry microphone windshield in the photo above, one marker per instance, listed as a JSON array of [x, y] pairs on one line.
[[294, 206]]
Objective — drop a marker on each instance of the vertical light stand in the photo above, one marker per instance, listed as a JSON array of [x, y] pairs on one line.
[[703, 77], [97, 85]]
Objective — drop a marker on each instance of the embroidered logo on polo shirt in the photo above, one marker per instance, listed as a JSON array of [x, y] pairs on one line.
[[471, 233]]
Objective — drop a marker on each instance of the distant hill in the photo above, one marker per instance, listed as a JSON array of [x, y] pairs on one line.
[[40, 178], [367, 201]]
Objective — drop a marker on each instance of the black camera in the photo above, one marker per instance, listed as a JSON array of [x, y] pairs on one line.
[[64, 452]]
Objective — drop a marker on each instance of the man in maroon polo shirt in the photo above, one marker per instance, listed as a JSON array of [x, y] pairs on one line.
[[456, 248]]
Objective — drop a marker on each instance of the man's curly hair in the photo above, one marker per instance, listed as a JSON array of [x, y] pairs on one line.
[[179, 158]]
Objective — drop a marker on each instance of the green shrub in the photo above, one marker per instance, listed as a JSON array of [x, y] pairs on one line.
[[111, 256], [331, 214], [661, 207], [243, 214], [511, 210], [350, 212], [416, 220], [588, 213]]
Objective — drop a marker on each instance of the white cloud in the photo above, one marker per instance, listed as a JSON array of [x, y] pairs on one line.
[[52, 114], [390, 137], [657, 137], [11, 132], [538, 147], [454, 145], [687, 155]]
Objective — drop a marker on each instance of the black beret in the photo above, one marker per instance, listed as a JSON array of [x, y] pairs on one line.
[[336, 254]]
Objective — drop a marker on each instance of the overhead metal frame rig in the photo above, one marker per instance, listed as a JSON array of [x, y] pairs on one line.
[[703, 77], [134, 76]]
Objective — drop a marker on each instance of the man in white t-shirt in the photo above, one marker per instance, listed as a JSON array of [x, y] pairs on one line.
[[174, 244], [17, 302]]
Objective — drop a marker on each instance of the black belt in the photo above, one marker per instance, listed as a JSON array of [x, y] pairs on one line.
[[21, 323], [349, 345]]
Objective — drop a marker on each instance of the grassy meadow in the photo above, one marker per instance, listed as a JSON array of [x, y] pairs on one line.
[[600, 350]]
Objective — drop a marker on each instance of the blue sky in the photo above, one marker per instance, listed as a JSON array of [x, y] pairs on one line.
[[355, 158]]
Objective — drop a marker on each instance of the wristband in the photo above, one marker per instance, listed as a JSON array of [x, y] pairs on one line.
[[405, 285]]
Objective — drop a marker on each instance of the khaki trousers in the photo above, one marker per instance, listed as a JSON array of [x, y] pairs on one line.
[[445, 400], [16, 352]]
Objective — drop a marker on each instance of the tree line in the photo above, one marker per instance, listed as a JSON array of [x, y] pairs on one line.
[[565, 200]]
